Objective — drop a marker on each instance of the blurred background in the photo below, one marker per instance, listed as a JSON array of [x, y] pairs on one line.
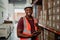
[[46, 11]]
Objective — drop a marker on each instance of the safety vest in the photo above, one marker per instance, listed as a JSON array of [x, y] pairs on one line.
[[27, 28]]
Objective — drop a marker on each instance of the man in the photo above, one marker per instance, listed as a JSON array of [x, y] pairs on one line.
[[27, 28]]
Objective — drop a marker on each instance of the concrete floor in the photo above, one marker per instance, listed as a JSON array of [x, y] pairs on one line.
[[14, 34]]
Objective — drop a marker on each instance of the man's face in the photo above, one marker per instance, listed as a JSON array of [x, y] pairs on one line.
[[28, 11]]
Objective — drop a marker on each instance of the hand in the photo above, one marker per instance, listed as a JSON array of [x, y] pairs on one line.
[[35, 33]]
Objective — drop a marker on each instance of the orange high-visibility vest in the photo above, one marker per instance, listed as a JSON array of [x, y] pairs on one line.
[[27, 28]]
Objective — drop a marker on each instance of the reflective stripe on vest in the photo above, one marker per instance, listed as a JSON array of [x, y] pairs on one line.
[[27, 28]]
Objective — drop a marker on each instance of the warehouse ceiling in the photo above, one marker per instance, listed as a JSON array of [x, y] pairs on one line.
[[21, 3], [17, 1]]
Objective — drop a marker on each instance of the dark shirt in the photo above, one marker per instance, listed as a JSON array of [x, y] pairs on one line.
[[21, 25]]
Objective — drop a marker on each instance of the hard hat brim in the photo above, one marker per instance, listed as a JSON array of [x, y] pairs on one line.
[[28, 7]]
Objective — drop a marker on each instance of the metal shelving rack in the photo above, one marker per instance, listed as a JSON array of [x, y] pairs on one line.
[[50, 19]]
